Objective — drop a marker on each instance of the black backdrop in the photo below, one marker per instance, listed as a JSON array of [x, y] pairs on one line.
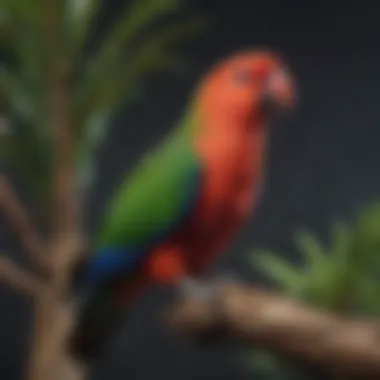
[[323, 163]]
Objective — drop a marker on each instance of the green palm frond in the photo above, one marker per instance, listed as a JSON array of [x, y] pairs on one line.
[[135, 18], [78, 18], [27, 13], [23, 82], [286, 275], [153, 53], [14, 96], [314, 252], [366, 239], [27, 154], [94, 134], [320, 269]]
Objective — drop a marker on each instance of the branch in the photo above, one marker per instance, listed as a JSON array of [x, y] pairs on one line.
[[341, 346], [66, 215], [19, 279], [18, 216], [54, 312], [67, 234]]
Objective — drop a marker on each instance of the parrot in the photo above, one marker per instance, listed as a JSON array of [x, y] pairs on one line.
[[186, 199]]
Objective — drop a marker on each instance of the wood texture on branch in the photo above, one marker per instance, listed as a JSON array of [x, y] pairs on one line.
[[18, 216], [54, 313], [67, 230], [341, 346], [19, 279], [53, 322]]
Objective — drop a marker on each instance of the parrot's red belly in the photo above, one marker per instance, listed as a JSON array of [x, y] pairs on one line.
[[229, 192]]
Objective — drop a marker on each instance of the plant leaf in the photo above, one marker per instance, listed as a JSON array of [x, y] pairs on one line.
[[133, 20], [289, 277], [14, 96], [25, 84], [27, 153], [27, 12], [316, 259], [95, 132], [104, 86], [368, 297], [104, 91], [78, 20]]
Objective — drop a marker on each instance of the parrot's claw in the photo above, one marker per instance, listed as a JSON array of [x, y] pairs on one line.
[[224, 279], [228, 278], [196, 289], [207, 290]]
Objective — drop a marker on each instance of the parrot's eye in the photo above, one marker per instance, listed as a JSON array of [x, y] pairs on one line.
[[243, 77]]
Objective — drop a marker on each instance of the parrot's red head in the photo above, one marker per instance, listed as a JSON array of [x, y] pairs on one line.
[[241, 88]]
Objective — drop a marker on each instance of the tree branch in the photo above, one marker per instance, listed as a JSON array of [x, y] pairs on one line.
[[18, 216], [65, 217], [341, 346], [19, 279], [54, 313]]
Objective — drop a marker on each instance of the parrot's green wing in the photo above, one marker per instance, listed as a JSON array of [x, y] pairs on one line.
[[155, 197]]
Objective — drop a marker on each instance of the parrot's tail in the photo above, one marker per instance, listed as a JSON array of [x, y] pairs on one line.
[[98, 318], [101, 311]]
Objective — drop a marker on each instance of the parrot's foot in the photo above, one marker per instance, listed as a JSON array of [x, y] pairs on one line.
[[227, 278], [193, 288], [220, 281], [207, 290]]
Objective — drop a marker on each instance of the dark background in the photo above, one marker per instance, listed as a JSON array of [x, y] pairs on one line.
[[323, 163]]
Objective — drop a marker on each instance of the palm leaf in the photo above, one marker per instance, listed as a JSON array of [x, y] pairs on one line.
[[288, 276], [14, 96], [341, 243], [312, 250], [78, 17], [103, 87], [24, 84], [27, 13], [96, 130], [27, 154], [132, 21], [366, 238]]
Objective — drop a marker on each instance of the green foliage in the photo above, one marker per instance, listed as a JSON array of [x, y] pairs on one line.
[[342, 276], [33, 162], [99, 82], [332, 277]]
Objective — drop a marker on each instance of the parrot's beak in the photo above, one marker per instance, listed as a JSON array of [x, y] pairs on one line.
[[279, 95]]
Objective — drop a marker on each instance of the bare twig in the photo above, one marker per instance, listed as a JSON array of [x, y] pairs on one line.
[[18, 216], [341, 346], [18, 278]]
